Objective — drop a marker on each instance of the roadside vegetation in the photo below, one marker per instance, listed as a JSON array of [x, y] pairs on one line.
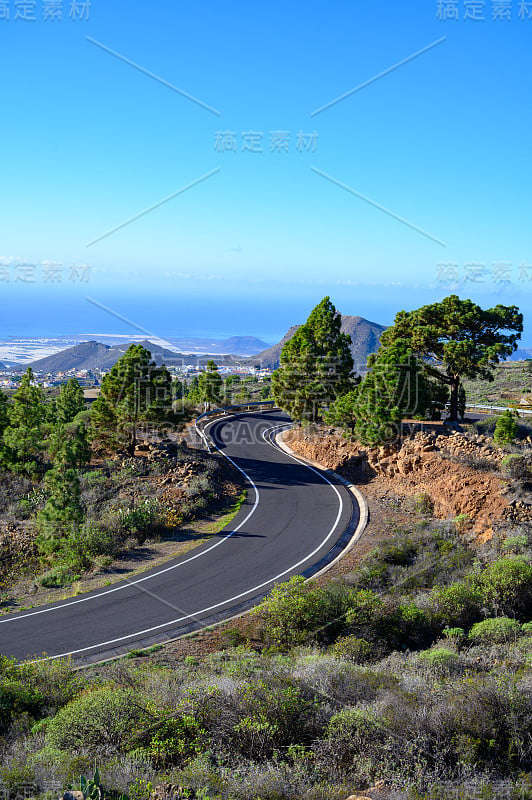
[[414, 669], [512, 380], [419, 368], [80, 487], [411, 673]]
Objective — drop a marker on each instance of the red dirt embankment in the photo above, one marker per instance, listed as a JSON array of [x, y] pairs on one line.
[[452, 469]]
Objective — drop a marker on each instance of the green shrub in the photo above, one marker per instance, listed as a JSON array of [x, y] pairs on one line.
[[364, 606], [106, 717], [515, 466], [257, 718], [455, 635], [33, 689], [440, 659], [350, 734], [506, 586], [515, 544], [12, 777], [486, 426], [174, 741], [403, 626], [457, 605], [352, 648], [297, 613], [423, 503], [506, 428], [58, 576], [462, 523], [495, 630], [144, 520]]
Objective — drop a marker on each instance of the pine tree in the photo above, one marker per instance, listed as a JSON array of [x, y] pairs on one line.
[[4, 422], [210, 386], [316, 366], [134, 392], [69, 450], [192, 392], [462, 401], [343, 413], [505, 428], [69, 446], [4, 417], [63, 508], [457, 338], [69, 402], [396, 386], [24, 434]]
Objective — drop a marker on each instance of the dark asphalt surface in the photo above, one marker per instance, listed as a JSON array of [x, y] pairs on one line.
[[290, 523]]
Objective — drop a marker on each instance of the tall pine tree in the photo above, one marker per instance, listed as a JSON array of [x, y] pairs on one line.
[[316, 366], [70, 401], [4, 422], [69, 445], [135, 392], [24, 435], [457, 338], [397, 385], [210, 386]]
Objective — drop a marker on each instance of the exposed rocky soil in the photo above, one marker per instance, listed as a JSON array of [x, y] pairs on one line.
[[458, 473]]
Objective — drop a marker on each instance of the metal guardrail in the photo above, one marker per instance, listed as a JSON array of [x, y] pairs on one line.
[[223, 411], [498, 408]]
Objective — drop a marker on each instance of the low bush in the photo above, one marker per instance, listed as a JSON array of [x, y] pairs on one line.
[[173, 741], [486, 426], [506, 586], [441, 660], [515, 544], [351, 736], [359, 651], [102, 719], [457, 605], [429, 553], [424, 504], [34, 689], [516, 466], [495, 630], [297, 613]]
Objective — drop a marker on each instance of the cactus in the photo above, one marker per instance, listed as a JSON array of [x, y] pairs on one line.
[[92, 789]]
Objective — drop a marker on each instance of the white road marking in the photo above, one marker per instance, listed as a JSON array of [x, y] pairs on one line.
[[128, 584], [216, 605]]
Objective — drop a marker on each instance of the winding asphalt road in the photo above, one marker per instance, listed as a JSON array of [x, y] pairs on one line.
[[294, 521]]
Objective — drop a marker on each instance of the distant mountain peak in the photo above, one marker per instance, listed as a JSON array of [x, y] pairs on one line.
[[365, 339]]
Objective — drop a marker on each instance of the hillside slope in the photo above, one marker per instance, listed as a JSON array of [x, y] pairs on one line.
[[94, 355], [365, 337]]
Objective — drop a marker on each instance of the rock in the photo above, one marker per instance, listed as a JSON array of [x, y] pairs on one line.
[[381, 785], [169, 791], [73, 795], [357, 797]]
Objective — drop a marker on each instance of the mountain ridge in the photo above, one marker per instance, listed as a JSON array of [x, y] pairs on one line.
[[95, 355], [365, 339]]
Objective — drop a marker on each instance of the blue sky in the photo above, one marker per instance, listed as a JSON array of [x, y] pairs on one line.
[[90, 141]]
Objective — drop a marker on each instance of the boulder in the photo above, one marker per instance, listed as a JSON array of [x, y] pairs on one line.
[[169, 791]]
